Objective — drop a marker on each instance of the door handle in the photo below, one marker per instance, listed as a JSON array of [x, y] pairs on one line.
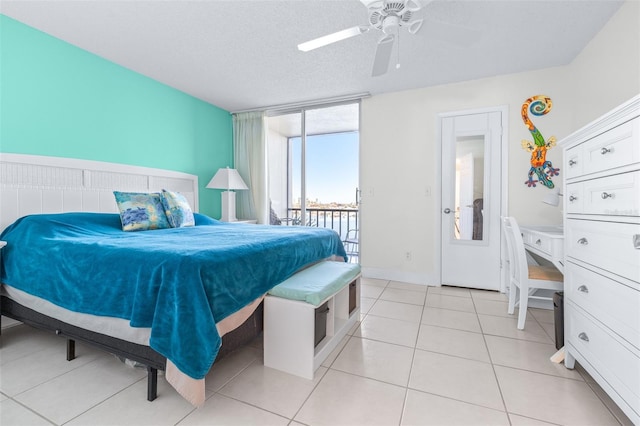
[[447, 210]]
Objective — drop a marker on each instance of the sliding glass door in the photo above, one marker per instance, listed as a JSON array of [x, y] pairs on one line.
[[313, 167]]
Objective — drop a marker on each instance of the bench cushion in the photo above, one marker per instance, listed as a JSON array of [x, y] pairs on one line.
[[318, 282]]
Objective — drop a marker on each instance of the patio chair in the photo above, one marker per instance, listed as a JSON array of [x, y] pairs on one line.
[[352, 245]]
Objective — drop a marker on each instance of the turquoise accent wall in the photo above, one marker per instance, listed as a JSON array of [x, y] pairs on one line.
[[59, 100]]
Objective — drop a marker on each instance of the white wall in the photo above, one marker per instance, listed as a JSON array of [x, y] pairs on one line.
[[398, 145], [607, 71]]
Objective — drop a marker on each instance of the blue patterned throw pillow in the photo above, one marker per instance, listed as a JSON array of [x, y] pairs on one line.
[[177, 209], [140, 211]]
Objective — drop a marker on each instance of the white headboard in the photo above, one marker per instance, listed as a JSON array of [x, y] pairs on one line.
[[32, 184]]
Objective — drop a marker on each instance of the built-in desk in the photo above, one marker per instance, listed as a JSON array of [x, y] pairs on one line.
[[546, 242]]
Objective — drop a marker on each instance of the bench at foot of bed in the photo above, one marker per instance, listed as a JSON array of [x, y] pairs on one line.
[[307, 315]]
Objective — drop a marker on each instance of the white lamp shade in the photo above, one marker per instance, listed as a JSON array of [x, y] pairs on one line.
[[227, 178], [552, 198]]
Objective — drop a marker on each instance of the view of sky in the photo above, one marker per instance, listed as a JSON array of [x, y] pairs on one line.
[[332, 167]]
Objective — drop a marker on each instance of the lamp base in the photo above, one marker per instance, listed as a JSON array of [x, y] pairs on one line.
[[228, 206]]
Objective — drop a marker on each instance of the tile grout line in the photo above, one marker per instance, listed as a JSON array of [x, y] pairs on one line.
[[242, 402], [413, 357], [105, 400], [62, 374], [334, 360], [9, 398], [493, 368]]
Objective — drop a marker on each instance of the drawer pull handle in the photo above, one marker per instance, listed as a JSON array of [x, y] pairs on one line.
[[583, 336], [583, 241], [606, 195], [572, 198], [583, 289], [636, 241], [538, 242], [572, 162], [604, 151]]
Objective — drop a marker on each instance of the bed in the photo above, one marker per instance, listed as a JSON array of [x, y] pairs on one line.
[[166, 298]]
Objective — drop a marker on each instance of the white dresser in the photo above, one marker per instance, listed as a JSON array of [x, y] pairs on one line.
[[602, 253]]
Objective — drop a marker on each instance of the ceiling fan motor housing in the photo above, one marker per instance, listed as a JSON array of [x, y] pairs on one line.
[[390, 24], [391, 15]]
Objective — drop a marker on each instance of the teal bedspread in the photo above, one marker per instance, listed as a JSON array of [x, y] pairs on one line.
[[179, 282]]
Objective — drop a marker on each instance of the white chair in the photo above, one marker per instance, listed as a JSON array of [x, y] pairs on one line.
[[524, 276], [352, 245]]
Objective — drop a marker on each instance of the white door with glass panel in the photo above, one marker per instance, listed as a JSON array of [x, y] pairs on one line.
[[471, 199]]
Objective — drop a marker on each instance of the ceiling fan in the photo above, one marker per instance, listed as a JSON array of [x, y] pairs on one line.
[[386, 16]]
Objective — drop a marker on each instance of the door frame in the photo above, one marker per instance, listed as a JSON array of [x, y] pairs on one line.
[[504, 170]]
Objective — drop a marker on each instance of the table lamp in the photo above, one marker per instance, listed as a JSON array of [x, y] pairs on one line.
[[552, 198], [229, 180]]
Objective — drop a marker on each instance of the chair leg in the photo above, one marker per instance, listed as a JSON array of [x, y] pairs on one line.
[[512, 298], [524, 301]]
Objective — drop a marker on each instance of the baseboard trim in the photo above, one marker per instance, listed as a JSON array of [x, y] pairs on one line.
[[401, 276]]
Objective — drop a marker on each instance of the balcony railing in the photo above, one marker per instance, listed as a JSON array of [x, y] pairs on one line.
[[340, 220]]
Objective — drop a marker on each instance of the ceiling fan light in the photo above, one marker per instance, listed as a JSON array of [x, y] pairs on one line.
[[415, 26], [331, 38], [389, 24]]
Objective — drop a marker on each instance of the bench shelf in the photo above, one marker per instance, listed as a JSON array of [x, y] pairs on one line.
[[289, 329]]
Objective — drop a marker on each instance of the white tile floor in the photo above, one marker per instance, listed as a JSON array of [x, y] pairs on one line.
[[436, 356]]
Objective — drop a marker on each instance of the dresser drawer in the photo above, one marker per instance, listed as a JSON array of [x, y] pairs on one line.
[[575, 198], [606, 245], [539, 242], [614, 304], [615, 195], [617, 363], [573, 162], [608, 150]]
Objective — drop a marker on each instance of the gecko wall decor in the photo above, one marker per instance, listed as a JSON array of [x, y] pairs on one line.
[[540, 167]]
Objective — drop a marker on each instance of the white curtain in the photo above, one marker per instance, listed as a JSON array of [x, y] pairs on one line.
[[250, 159]]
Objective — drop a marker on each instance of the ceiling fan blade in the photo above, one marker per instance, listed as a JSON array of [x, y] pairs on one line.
[[331, 38], [373, 4], [414, 26], [415, 5], [383, 55]]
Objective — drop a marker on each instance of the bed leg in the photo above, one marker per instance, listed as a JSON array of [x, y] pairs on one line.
[[71, 349], [152, 383]]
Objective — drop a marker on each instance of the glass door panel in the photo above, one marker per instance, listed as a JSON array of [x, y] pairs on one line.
[[282, 181], [313, 167], [332, 169]]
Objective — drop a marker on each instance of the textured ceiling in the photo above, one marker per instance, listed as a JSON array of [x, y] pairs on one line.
[[242, 54]]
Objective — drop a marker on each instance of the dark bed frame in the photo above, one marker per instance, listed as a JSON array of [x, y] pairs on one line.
[[142, 354]]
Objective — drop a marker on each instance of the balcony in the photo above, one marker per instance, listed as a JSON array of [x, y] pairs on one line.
[[342, 220]]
